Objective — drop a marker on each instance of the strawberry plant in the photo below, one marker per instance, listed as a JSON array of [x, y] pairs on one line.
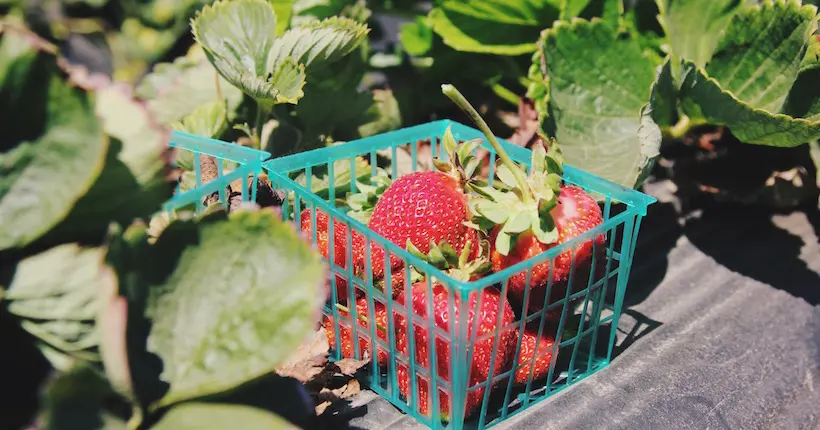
[[139, 333], [745, 67], [291, 97]]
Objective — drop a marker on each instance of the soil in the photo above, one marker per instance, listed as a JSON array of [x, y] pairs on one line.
[[710, 164]]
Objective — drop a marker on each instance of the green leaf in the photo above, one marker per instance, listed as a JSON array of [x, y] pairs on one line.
[[544, 229], [519, 223], [573, 8], [492, 211], [812, 58], [664, 97], [136, 178], [448, 142], [318, 42], [416, 37], [503, 243], [804, 98], [694, 27], [501, 27], [505, 175], [599, 83], [759, 56], [209, 120], [174, 91], [55, 294], [306, 11], [218, 416], [754, 84], [383, 114], [74, 400], [52, 147], [703, 98], [290, 79], [539, 159], [229, 299], [238, 37], [283, 10]]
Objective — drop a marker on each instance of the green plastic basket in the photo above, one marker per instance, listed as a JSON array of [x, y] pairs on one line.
[[583, 319], [233, 163]]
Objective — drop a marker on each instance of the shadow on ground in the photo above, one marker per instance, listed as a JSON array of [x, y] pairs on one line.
[[658, 235], [758, 248]]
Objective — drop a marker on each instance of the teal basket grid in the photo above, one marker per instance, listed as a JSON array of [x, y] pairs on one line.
[[234, 163], [584, 317]]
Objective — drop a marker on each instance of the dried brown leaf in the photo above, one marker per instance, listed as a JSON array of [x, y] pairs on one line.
[[349, 366], [321, 407], [346, 391], [309, 360]]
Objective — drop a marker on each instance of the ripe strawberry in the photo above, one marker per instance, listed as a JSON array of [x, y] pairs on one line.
[[323, 244], [426, 207], [575, 213], [479, 368], [362, 330], [534, 358], [420, 207]]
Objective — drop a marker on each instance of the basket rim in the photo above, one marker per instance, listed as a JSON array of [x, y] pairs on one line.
[[288, 163], [636, 202], [216, 148]]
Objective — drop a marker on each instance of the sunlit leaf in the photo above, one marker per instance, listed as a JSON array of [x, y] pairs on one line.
[[217, 416], [599, 85], [751, 84], [227, 298]]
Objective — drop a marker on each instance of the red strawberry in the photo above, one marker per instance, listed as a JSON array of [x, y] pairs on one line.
[[483, 353], [362, 330], [339, 244], [420, 207], [576, 213], [531, 359], [424, 207]]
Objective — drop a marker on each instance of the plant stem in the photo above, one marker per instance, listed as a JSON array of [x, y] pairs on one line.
[[679, 130], [455, 95], [135, 421], [262, 113], [506, 94]]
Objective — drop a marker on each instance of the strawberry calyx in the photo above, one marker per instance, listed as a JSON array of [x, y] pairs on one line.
[[518, 202], [461, 163], [363, 201], [458, 266]]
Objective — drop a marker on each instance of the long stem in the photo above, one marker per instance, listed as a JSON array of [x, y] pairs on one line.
[[506, 94], [135, 421], [262, 113], [455, 95]]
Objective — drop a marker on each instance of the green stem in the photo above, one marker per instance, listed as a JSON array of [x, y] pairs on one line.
[[135, 421], [455, 95], [262, 113], [506, 94], [679, 130]]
